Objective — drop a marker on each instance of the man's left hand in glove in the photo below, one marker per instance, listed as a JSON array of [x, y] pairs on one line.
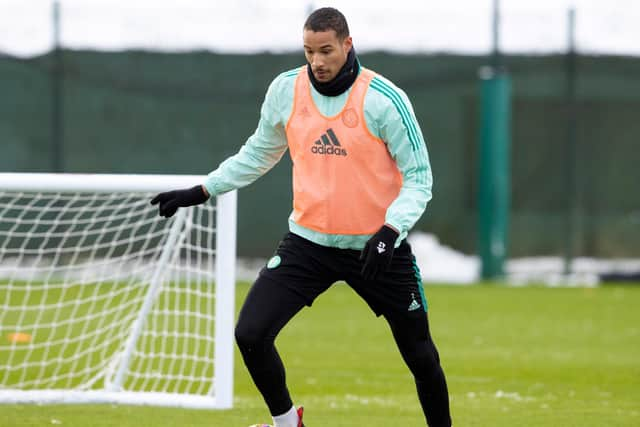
[[378, 252]]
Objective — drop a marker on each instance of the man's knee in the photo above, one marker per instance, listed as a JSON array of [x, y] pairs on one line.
[[422, 359], [249, 337], [245, 337]]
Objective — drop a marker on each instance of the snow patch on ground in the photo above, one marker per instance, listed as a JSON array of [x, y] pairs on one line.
[[439, 263]]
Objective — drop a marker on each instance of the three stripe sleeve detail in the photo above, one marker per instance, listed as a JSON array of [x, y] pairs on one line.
[[409, 123]]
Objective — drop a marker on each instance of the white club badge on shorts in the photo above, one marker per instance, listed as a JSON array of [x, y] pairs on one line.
[[274, 262]]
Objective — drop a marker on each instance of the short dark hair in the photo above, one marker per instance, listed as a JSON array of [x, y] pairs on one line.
[[328, 18]]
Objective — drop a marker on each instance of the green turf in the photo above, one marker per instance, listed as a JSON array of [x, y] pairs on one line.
[[527, 356]]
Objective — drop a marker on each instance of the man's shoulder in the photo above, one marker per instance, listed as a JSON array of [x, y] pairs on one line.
[[385, 87], [292, 73], [383, 93], [281, 89], [286, 78]]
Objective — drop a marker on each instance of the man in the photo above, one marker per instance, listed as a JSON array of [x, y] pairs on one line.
[[361, 179]]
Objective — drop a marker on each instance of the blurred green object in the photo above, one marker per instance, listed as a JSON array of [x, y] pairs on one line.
[[494, 171]]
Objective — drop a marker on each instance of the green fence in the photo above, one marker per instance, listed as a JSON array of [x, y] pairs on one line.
[[141, 112]]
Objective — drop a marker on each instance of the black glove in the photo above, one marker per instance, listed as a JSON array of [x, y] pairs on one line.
[[377, 252], [170, 201]]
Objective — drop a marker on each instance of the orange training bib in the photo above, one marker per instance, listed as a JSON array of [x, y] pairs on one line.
[[344, 178]]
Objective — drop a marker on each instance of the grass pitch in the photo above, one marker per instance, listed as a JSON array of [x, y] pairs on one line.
[[524, 357]]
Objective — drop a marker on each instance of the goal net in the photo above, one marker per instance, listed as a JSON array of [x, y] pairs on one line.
[[102, 300]]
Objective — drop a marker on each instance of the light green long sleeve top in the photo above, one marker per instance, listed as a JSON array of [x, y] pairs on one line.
[[388, 115]]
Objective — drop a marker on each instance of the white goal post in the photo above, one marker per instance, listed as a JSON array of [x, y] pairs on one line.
[[104, 301]]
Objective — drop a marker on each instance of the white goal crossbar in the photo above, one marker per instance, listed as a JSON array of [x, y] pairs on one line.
[[103, 301]]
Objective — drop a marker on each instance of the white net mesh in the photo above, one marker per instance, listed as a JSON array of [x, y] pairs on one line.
[[75, 271]]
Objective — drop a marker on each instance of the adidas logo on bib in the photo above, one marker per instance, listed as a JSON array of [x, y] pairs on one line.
[[328, 144]]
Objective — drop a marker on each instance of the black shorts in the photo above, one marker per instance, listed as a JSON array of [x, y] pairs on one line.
[[308, 269]]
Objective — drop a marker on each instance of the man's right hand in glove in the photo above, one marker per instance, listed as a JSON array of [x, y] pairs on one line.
[[170, 201]]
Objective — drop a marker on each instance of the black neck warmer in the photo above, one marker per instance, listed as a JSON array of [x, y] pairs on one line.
[[342, 81]]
